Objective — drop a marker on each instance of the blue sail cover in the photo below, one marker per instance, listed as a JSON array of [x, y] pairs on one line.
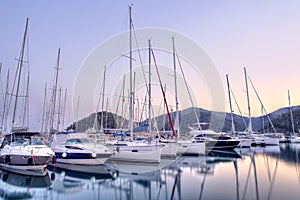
[[142, 128]]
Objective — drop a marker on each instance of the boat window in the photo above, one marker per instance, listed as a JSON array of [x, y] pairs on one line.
[[73, 141], [36, 141], [84, 140], [20, 142]]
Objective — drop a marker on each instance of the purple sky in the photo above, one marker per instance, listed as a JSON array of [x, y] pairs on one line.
[[263, 36]]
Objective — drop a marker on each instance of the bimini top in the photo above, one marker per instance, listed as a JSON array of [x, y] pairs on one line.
[[63, 137]]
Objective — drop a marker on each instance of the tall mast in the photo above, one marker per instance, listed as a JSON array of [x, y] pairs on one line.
[[291, 113], [248, 101], [164, 121], [103, 93], [55, 90], [164, 95], [230, 105], [1, 84], [44, 108], [64, 110], [106, 114], [4, 114], [19, 68], [76, 113], [130, 77], [176, 124], [262, 119], [123, 101], [133, 98], [59, 109], [149, 89], [26, 103]]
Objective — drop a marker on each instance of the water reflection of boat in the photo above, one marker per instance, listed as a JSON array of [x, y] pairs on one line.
[[95, 172], [73, 178], [138, 168], [260, 150], [136, 180], [198, 163], [63, 184], [224, 154], [4, 194], [19, 186], [24, 180]]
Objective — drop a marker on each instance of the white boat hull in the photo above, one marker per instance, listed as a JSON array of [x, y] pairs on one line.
[[30, 159], [245, 143], [88, 161], [191, 148], [169, 150], [135, 155], [265, 141], [294, 140]]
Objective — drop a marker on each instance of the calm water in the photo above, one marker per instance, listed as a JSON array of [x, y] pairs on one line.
[[258, 173]]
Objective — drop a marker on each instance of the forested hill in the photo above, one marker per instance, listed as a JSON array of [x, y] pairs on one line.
[[280, 118]]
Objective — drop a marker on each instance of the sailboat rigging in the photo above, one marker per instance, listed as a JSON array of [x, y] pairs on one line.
[[257, 139], [23, 150], [294, 138]]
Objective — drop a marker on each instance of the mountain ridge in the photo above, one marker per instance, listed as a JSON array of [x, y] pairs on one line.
[[217, 120]]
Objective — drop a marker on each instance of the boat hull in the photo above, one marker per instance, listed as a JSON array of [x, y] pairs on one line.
[[169, 149], [191, 148], [25, 159], [294, 139], [265, 141], [221, 144], [81, 158], [137, 155]]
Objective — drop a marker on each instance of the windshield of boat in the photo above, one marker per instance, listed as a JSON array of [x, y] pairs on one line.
[[36, 141], [21, 142], [78, 141], [27, 141]]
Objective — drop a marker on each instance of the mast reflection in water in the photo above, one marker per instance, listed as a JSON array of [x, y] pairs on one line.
[[256, 173]]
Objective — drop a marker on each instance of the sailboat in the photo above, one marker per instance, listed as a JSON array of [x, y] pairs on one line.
[[132, 150], [257, 139], [186, 145], [21, 149], [294, 138], [244, 142]]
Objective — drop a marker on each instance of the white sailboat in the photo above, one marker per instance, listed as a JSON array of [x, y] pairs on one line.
[[22, 150], [294, 138], [132, 150], [244, 142], [257, 139], [186, 145]]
